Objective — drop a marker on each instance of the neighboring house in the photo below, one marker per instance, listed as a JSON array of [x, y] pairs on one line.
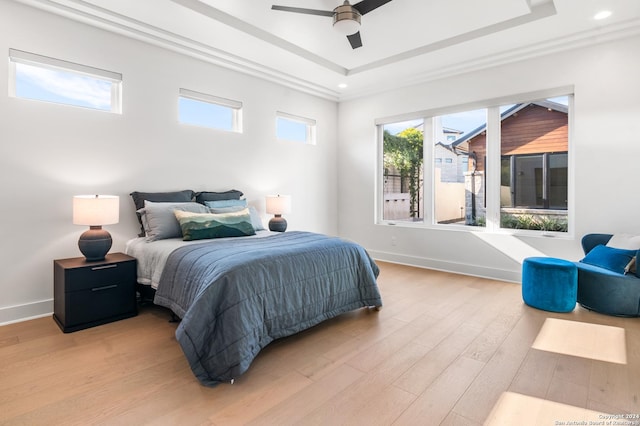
[[534, 156], [448, 156], [452, 162]]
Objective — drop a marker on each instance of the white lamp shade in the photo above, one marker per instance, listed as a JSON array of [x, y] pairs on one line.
[[96, 210], [278, 204]]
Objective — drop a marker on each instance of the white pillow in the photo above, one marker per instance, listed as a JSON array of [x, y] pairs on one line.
[[631, 267], [627, 242]]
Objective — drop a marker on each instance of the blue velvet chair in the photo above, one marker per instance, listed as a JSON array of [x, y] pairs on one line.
[[605, 291]]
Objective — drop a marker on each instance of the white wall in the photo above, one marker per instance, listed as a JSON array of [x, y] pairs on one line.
[[605, 147], [48, 153]]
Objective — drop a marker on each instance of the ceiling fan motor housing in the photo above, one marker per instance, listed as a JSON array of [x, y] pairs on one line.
[[348, 17]]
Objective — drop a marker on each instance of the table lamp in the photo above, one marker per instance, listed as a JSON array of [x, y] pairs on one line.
[[95, 211], [278, 205]]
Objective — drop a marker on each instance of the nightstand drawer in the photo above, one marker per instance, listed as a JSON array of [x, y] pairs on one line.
[[101, 302], [91, 277]]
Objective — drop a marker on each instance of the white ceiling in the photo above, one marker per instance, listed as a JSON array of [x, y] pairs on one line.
[[404, 41]]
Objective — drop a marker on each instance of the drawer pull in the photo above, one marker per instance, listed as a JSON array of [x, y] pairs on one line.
[[106, 287], [97, 268]]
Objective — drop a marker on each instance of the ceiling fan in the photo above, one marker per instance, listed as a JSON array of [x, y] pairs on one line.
[[346, 17]]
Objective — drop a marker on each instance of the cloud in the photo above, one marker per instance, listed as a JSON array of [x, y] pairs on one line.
[[84, 89]]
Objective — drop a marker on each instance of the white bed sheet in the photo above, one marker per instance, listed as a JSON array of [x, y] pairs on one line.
[[152, 256]]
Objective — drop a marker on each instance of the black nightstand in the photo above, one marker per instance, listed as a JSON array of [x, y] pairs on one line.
[[86, 294]]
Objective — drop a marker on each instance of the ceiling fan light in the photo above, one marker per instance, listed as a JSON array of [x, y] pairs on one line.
[[347, 26], [346, 19]]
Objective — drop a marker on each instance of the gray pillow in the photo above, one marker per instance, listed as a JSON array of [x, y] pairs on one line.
[[160, 221], [166, 197]]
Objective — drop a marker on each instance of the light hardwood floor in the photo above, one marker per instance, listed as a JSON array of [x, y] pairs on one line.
[[445, 349]]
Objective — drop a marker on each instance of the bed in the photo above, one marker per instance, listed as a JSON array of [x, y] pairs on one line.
[[235, 295]]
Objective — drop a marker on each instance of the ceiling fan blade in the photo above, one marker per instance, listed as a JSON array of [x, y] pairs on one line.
[[366, 6], [328, 13], [355, 40]]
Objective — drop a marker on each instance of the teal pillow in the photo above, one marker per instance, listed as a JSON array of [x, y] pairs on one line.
[[610, 258], [225, 203], [199, 226]]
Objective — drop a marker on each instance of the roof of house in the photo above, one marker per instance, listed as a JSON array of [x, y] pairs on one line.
[[508, 113], [454, 149]]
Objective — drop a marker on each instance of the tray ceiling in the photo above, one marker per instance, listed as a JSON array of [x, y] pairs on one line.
[[404, 41]]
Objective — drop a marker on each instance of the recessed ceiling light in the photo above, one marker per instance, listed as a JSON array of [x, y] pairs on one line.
[[342, 85], [603, 14]]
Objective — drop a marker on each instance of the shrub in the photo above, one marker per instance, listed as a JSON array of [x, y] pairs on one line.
[[534, 222]]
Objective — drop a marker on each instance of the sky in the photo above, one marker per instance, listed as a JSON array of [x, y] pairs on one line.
[[205, 114], [465, 121], [71, 88], [57, 86], [462, 121]]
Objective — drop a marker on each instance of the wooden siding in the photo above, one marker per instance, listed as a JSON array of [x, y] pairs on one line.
[[532, 130]]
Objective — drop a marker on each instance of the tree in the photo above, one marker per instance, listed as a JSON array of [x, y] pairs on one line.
[[404, 152]]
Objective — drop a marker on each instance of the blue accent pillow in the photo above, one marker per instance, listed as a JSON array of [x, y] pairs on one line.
[[610, 258], [225, 203]]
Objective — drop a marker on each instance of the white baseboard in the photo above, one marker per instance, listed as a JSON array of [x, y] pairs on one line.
[[11, 314], [453, 267], [18, 313]]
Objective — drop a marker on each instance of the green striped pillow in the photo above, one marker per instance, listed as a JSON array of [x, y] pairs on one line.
[[199, 226]]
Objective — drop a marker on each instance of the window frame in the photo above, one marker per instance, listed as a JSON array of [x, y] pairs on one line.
[[234, 106], [310, 127], [492, 161], [32, 59]]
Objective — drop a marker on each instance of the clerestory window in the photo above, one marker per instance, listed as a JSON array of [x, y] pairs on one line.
[[46, 79]]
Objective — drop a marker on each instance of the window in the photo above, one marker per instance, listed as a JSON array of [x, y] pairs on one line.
[[402, 145], [200, 109], [458, 192], [509, 166], [534, 177], [47, 79], [294, 128]]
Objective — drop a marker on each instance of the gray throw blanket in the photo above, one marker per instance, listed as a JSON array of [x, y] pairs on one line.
[[236, 296]]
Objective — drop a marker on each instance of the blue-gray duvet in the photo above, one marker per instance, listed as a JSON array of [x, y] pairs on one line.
[[235, 296]]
